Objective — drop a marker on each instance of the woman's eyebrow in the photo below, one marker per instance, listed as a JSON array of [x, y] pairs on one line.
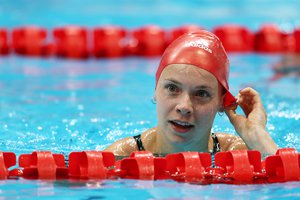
[[173, 81], [197, 87], [203, 87]]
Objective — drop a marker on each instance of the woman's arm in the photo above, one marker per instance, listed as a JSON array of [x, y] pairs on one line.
[[251, 127]]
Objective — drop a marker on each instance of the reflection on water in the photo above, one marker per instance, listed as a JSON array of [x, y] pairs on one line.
[[144, 189]]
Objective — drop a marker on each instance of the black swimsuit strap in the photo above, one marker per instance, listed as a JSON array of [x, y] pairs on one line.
[[139, 142], [216, 144]]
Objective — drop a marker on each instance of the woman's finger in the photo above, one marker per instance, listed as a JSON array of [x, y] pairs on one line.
[[237, 120], [252, 94], [249, 100], [244, 104]]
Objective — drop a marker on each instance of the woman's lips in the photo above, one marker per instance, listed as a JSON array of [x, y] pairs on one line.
[[180, 126]]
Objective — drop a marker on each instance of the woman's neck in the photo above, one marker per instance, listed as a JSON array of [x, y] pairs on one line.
[[163, 145]]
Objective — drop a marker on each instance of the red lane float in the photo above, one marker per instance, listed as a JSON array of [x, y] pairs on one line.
[[30, 41], [269, 39], [71, 42], [297, 40], [188, 166], [178, 31], [289, 42], [142, 165], [235, 38], [7, 159], [147, 41], [283, 166], [240, 166], [90, 164], [109, 41], [43, 165], [232, 167], [151, 40], [4, 48]]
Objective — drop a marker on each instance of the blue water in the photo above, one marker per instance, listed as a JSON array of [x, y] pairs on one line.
[[66, 105], [131, 189], [73, 105]]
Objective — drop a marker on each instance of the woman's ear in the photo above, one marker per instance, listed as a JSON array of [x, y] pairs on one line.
[[153, 100], [221, 108]]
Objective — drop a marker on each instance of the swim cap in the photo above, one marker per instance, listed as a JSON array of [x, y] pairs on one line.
[[204, 50]]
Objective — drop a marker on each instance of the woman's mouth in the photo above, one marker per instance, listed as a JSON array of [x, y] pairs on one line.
[[181, 126]]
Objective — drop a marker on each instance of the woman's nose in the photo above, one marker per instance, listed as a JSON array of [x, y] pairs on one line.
[[184, 105]]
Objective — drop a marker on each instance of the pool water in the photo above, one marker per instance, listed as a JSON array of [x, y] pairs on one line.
[[70, 105], [131, 189], [67, 105], [73, 105]]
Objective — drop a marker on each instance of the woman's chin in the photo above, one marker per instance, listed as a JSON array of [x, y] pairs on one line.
[[179, 138]]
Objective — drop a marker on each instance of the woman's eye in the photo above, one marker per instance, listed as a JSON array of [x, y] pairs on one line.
[[202, 93], [172, 88]]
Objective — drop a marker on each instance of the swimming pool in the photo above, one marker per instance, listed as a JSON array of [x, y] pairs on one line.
[[72, 105]]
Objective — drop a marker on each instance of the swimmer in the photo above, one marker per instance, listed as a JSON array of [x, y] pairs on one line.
[[288, 65], [191, 88]]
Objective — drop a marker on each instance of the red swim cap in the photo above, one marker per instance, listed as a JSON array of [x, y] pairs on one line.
[[201, 49]]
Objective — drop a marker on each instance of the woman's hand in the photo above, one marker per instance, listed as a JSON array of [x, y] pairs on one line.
[[251, 127]]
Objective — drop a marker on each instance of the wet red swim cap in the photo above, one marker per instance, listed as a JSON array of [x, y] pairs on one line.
[[201, 49]]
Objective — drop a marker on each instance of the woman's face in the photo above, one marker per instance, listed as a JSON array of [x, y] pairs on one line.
[[188, 99]]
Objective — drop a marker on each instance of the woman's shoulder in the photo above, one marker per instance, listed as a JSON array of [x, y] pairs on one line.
[[122, 147], [149, 139], [149, 133], [125, 146], [230, 142], [221, 135]]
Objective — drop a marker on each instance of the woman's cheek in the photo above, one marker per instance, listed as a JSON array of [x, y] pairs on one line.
[[206, 112], [161, 110]]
